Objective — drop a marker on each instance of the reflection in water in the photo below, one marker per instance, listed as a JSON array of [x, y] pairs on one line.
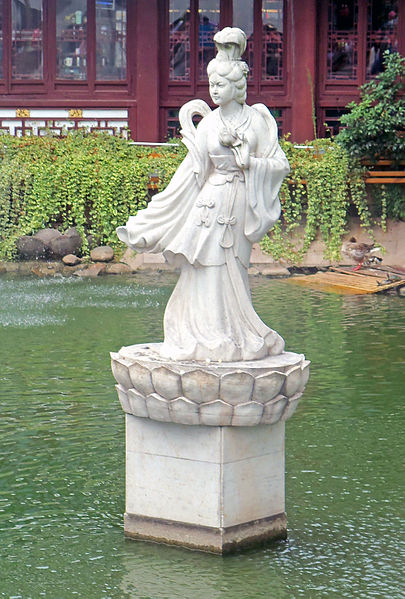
[[62, 448]]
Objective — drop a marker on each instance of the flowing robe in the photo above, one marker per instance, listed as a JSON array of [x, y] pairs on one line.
[[205, 222]]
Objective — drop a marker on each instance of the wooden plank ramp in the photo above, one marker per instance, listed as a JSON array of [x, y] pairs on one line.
[[344, 281]]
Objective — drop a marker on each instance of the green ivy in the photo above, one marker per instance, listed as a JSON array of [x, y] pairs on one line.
[[317, 194], [96, 181], [90, 181], [389, 201]]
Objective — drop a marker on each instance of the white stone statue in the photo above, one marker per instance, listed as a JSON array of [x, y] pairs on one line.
[[222, 199]]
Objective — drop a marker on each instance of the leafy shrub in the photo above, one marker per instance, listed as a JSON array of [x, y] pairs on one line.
[[375, 126], [328, 177]]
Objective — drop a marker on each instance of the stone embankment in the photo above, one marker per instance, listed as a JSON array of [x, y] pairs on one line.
[[50, 252], [392, 240]]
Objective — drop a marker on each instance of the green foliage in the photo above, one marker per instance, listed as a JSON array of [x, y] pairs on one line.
[[90, 181], [323, 183], [95, 181], [389, 201], [375, 126]]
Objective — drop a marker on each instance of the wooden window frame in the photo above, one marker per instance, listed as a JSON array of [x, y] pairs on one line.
[[334, 94], [350, 86], [275, 94], [50, 85], [336, 85], [178, 90]]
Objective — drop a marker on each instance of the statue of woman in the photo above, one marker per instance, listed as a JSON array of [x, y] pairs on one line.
[[222, 199]]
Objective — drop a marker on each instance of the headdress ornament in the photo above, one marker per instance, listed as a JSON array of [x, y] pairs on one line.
[[230, 43]]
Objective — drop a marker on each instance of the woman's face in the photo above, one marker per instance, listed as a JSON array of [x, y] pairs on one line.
[[221, 90]]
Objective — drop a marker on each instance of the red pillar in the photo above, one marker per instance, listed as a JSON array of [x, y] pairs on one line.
[[146, 38], [303, 20]]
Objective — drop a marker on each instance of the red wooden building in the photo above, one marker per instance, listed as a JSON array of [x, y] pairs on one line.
[[117, 64]]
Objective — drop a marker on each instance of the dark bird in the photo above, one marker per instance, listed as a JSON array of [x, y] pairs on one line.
[[360, 252]]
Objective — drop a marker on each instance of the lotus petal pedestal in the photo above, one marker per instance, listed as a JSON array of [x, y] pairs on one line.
[[205, 446]]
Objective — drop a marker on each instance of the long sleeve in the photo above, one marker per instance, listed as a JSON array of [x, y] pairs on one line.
[[153, 228], [263, 179]]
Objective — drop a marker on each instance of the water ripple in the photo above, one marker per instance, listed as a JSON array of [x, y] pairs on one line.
[[62, 449]]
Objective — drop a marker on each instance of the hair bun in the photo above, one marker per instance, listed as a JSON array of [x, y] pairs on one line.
[[230, 43]]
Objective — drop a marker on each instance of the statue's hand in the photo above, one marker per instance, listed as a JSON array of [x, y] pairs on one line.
[[242, 156], [245, 154]]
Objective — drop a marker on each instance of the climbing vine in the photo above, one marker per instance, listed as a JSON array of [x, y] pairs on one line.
[[316, 196], [90, 181], [95, 182]]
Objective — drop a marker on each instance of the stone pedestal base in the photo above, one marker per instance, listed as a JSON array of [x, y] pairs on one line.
[[211, 488], [205, 446]]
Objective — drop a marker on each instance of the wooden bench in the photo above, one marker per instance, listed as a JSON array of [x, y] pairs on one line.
[[386, 176]]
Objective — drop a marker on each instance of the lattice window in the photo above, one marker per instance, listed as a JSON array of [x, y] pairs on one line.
[[208, 25], [272, 40], [331, 120], [179, 40], [192, 26], [382, 33], [342, 58], [111, 39], [71, 40], [27, 40]]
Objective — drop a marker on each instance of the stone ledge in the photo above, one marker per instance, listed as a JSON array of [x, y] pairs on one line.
[[211, 394], [205, 538]]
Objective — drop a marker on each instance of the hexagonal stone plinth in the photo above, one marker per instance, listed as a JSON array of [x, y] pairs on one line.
[[213, 488], [210, 394], [205, 447]]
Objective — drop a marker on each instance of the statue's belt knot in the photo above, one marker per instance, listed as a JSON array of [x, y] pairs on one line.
[[205, 204], [227, 237], [224, 220]]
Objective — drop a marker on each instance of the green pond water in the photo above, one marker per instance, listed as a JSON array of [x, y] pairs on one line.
[[62, 448]]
